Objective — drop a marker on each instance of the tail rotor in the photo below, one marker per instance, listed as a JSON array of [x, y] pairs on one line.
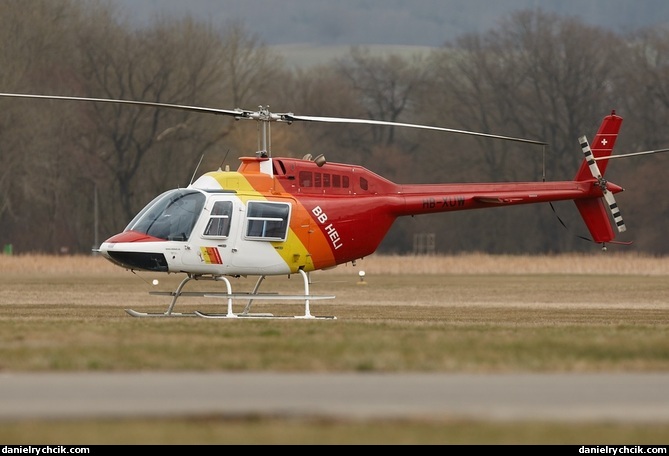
[[601, 183]]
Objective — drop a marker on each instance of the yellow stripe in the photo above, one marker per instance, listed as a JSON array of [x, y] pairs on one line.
[[205, 255], [293, 252]]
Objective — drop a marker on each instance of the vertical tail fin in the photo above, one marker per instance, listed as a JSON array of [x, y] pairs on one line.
[[593, 210], [602, 146]]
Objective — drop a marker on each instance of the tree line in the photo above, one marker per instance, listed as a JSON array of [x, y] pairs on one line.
[[74, 173]]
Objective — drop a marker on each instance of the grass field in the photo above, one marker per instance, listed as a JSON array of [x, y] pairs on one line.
[[471, 313]]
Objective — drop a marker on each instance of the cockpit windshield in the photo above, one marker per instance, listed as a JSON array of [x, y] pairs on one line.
[[170, 216]]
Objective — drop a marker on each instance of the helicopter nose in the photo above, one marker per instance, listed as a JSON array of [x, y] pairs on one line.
[[135, 251], [132, 236]]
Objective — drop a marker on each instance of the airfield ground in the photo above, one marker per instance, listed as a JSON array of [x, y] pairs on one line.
[[469, 314]]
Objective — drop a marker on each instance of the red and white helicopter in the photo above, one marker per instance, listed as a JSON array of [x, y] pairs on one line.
[[283, 216]]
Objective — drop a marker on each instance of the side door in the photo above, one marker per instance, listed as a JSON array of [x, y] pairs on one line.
[[262, 241], [213, 238]]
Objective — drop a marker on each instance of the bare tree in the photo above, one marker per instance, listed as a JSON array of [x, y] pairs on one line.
[[34, 58], [123, 154], [142, 148], [645, 81], [249, 67], [316, 91], [251, 76], [537, 76], [385, 86]]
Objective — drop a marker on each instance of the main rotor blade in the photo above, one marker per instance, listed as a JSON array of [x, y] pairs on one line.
[[400, 124], [237, 112], [264, 115], [645, 152]]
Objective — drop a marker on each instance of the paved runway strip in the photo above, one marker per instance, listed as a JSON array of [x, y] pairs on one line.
[[562, 397]]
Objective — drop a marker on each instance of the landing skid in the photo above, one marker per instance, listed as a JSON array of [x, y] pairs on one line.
[[262, 316], [230, 296], [134, 313]]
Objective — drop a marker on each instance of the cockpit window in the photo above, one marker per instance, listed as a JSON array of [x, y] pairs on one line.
[[170, 216]]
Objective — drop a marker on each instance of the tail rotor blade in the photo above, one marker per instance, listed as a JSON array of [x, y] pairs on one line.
[[590, 158], [615, 211]]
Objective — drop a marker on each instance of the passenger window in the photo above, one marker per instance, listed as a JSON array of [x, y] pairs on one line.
[[267, 221], [219, 221], [305, 179]]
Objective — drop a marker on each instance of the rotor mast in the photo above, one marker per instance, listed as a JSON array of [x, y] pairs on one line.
[[264, 117]]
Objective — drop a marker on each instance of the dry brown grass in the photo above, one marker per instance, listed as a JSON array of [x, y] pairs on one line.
[[481, 263], [608, 263]]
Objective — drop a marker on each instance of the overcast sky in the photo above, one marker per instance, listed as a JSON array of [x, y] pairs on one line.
[[397, 22]]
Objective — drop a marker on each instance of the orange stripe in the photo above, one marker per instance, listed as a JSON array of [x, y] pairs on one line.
[[214, 257]]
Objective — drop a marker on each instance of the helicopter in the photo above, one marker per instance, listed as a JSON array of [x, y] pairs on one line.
[[278, 216]]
